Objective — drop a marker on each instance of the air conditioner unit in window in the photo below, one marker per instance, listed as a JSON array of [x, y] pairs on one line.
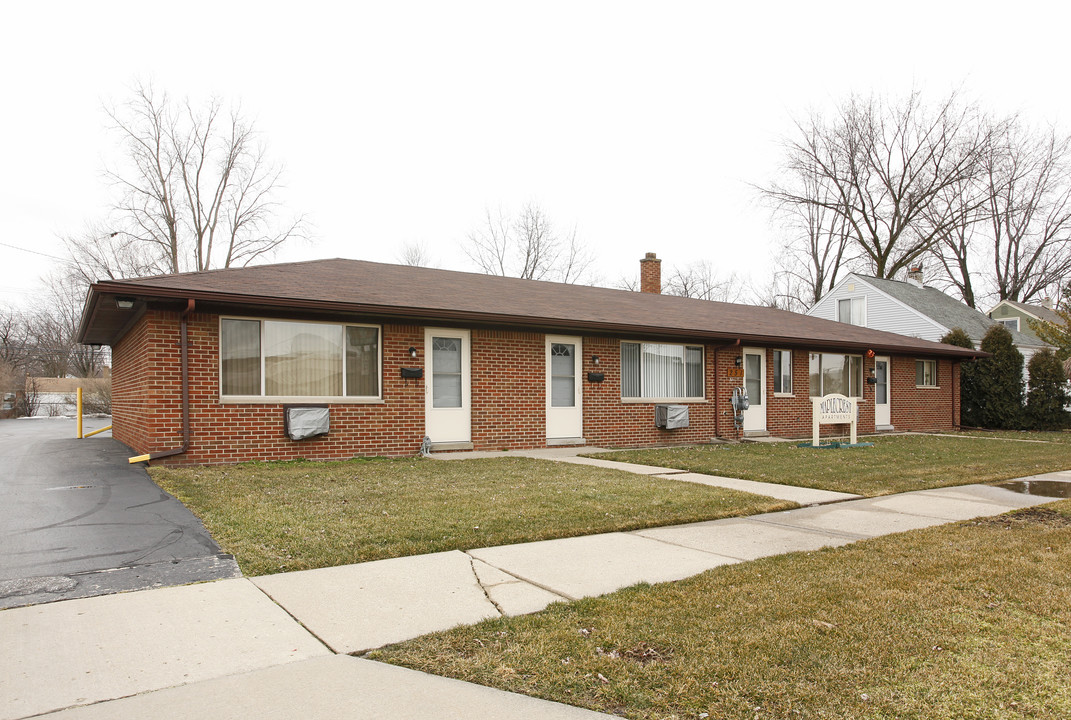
[[301, 422], [671, 417]]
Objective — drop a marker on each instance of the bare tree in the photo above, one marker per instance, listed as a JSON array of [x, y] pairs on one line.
[[51, 328], [879, 166], [527, 246], [1029, 179], [414, 254], [197, 192], [14, 338], [28, 401], [700, 280], [817, 243], [961, 212]]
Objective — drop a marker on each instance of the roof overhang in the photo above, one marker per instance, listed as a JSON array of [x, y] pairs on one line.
[[105, 323]]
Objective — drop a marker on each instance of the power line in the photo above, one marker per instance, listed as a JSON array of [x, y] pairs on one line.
[[16, 247]]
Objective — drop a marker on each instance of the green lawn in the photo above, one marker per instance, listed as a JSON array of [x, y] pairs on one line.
[[276, 517], [1031, 435], [971, 620], [895, 464]]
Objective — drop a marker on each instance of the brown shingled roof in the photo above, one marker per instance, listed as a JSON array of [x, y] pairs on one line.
[[444, 296]]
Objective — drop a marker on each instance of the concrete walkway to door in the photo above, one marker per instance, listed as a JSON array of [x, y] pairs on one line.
[[571, 454], [277, 645]]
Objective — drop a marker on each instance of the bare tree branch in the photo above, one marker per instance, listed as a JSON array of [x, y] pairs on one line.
[[414, 254], [527, 246], [878, 168], [196, 192], [1029, 178]]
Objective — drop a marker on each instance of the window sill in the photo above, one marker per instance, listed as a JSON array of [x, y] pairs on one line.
[[784, 395], [927, 387], [291, 400], [679, 401]]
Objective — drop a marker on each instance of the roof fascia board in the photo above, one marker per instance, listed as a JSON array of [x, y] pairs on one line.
[[404, 313]]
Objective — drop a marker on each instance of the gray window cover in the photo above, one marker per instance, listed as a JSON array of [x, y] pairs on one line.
[[307, 422], [671, 417]]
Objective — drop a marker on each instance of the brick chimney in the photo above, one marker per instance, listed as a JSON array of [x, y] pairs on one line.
[[651, 274], [914, 275]]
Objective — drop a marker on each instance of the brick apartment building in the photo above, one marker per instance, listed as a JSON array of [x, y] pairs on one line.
[[206, 365]]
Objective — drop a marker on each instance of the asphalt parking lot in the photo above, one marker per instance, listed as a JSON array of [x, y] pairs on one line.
[[77, 520]]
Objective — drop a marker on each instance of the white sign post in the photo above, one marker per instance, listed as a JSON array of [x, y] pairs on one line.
[[832, 410]]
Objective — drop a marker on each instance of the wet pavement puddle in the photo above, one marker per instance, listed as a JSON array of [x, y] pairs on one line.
[[1043, 488]]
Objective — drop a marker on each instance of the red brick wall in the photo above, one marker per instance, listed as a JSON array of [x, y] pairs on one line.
[[651, 274], [915, 408], [508, 390], [609, 421], [508, 399], [134, 391]]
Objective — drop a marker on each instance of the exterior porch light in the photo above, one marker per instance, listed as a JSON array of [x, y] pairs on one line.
[[412, 352], [124, 303], [594, 359]]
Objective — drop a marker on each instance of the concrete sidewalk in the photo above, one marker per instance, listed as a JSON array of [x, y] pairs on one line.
[[273, 646]]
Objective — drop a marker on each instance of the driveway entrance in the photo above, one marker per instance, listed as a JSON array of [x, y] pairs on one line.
[[77, 520]]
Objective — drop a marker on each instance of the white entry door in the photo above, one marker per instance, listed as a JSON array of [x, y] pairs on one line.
[[565, 401], [755, 383], [447, 387], [882, 398]]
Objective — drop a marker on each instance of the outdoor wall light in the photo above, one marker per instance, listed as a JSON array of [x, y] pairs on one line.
[[412, 352], [738, 361], [124, 303], [595, 359]]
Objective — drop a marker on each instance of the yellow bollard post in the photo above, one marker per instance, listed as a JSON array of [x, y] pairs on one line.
[[79, 413]]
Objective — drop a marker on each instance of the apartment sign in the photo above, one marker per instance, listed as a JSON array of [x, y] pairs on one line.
[[833, 409]]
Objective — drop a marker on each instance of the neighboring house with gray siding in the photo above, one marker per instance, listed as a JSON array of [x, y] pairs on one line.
[[910, 308]]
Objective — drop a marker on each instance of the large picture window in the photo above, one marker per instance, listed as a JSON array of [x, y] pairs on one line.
[[662, 371], [836, 373], [288, 359]]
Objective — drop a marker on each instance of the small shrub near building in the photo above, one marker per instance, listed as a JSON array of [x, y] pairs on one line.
[[992, 387], [1048, 396]]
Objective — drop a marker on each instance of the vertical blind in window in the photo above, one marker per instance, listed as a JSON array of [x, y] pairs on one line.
[[239, 342], [362, 361], [278, 358], [302, 359], [658, 370]]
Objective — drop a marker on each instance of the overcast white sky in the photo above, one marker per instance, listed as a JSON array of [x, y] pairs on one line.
[[640, 123]]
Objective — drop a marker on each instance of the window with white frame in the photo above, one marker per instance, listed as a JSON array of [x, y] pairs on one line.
[[292, 359], [1010, 323], [782, 372], [836, 373], [926, 373], [852, 310], [661, 370]]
